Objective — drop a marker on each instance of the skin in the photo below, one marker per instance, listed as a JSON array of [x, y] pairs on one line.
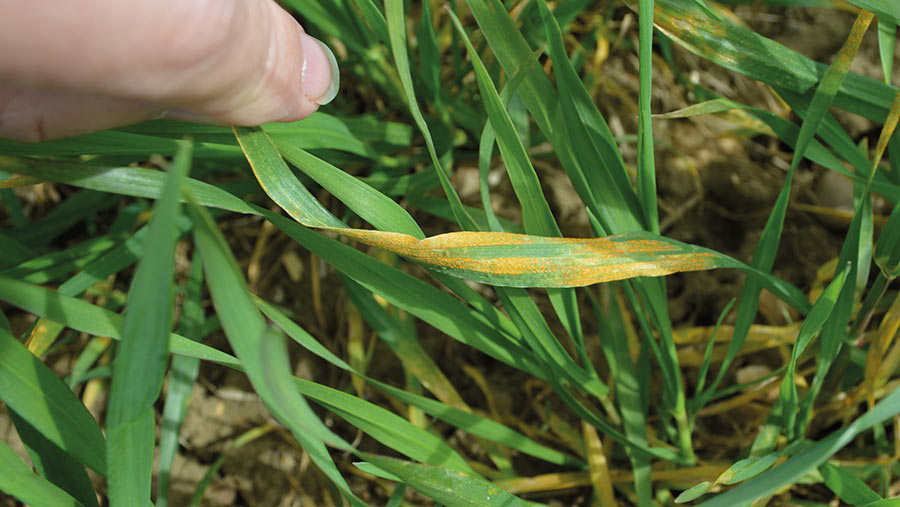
[[71, 67]]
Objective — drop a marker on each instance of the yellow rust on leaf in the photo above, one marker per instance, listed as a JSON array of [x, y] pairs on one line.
[[493, 257], [579, 262]]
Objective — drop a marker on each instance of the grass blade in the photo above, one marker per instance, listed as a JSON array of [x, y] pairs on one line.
[[469, 422], [54, 464], [536, 215], [809, 459], [760, 58], [122, 180], [396, 23], [784, 413], [764, 255], [46, 268], [847, 486], [182, 376], [887, 38], [446, 486], [856, 250], [17, 479], [886, 9], [139, 366], [578, 133], [404, 344], [76, 208], [278, 182], [39, 397], [246, 330], [537, 218], [646, 170], [626, 383], [91, 319], [386, 427], [367, 202], [887, 251]]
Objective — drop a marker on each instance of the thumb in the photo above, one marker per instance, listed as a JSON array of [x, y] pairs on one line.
[[234, 61], [271, 70], [267, 68]]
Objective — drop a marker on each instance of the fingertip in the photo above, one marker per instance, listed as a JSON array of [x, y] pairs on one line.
[[320, 74]]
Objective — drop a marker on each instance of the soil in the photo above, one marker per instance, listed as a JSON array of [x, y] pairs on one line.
[[716, 188]]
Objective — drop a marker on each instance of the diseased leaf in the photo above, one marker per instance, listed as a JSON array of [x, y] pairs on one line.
[[504, 259]]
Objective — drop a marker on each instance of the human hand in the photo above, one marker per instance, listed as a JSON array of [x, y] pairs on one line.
[[68, 68]]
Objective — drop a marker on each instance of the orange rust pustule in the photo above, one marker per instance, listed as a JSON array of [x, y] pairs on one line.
[[592, 260], [575, 276]]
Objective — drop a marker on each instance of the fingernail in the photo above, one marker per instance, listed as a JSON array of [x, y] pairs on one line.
[[320, 74]]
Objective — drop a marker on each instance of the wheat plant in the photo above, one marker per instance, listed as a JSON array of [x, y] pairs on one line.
[[116, 275]]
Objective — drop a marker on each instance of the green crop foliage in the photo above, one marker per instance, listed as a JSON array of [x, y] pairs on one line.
[[468, 84]]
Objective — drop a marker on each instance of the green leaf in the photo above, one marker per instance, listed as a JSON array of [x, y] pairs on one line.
[[292, 408], [278, 182], [13, 251], [760, 58], [767, 247], [886, 9], [693, 493], [54, 464], [45, 268], [183, 373], [537, 218], [87, 318], [17, 479], [646, 170], [76, 208], [139, 366], [536, 215], [429, 54], [396, 24], [448, 487], [887, 251], [122, 180], [569, 119], [812, 325], [375, 18], [108, 142], [847, 486], [810, 458], [370, 204], [39, 397], [887, 38], [626, 382], [472, 423], [706, 107], [887, 502], [747, 468], [246, 331]]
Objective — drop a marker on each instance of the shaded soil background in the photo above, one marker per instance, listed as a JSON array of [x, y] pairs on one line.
[[717, 178]]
